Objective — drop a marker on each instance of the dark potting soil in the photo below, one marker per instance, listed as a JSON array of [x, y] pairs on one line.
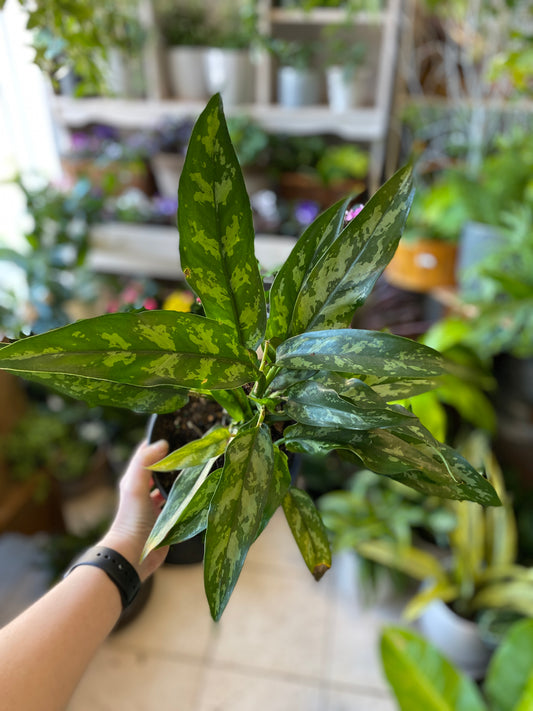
[[183, 426]]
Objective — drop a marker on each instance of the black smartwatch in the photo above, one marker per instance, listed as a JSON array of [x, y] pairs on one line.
[[116, 567]]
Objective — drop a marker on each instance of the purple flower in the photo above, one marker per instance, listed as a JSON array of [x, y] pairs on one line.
[[165, 206], [306, 211]]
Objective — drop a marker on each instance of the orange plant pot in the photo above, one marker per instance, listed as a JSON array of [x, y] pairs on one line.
[[422, 265]]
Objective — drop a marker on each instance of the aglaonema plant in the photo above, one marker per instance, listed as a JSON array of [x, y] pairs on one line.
[[293, 377]]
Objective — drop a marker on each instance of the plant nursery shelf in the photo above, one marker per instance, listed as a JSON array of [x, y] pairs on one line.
[[325, 16], [151, 250], [364, 124]]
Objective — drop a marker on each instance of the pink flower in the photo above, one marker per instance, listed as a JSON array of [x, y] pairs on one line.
[[352, 212], [150, 303]]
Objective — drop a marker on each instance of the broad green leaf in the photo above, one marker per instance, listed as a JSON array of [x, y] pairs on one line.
[[319, 235], [391, 389], [358, 351], [422, 678], [235, 402], [285, 378], [185, 487], [150, 399], [146, 349], [435, 470], [443, 590], [346, 273], [416, 563], [516, 595], [194, 453], [279, 485], [509, 680], [308, 530], [236, 513], [192, 517], [311, 402], [216, 230]]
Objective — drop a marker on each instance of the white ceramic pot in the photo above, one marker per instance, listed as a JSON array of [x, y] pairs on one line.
[[298, 87], [186, 73], [230, 72], [457, 638], [125, 75], [341, 88]]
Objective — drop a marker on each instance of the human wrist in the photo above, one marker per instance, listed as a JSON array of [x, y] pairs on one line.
[[126, 547]]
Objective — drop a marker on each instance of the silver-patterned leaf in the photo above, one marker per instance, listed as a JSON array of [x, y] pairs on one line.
[[236, 513], [216, 230], [308, 531], [180, 497], [408, 454], [344, 276], [313, 403], [359, 352], [146, 349], [320, 234]]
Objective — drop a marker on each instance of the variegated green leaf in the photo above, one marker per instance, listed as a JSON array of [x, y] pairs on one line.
[[310, 246], [146, 349], [391, 389], [216, 230], [285, 378], [236, 513], [279, 485], [235, 402], [434, 469], [313, 402], [344, 276], [358, 351], [106, 393], [194, 453], [183, 491], [308, 531], [192, 517]]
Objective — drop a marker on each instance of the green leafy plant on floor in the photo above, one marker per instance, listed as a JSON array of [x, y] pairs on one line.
[[298, 379], [476, 571], [421, 678]]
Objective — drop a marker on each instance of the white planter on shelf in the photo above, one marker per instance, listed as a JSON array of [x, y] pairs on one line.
[[457, 638], [342, 88], [186, 72], [298, 87], [125, 75], [167, 168], [230, 72]]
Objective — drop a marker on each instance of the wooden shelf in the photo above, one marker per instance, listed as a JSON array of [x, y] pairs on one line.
[[324, 16], [152, 250], [365, 124]]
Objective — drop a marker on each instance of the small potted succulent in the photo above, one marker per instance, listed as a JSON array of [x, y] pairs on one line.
[[290, 378]]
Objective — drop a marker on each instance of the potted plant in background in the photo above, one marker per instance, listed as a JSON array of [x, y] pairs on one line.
[[185, 31], [298, 81], [422, 678], [228, 61], [344, 58], [294, 380], [427, 255], [471, 583]]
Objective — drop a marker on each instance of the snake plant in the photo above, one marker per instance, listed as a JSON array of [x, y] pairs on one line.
[[296, 367]]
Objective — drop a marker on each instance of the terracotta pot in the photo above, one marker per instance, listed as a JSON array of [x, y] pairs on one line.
[[422, 265], [114, 176], [301, 186]]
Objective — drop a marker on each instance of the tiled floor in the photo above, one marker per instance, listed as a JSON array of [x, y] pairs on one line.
[[285, 642]]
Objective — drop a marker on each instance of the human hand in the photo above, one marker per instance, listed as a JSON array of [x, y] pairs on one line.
[[138, 510]]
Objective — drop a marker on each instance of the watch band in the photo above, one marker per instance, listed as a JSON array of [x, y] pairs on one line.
[[117, 568]]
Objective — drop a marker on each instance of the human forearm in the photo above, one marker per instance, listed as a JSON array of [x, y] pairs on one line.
[[45, 651]]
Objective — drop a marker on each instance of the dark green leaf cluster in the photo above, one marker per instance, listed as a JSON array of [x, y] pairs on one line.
[[296, 380]]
